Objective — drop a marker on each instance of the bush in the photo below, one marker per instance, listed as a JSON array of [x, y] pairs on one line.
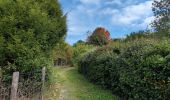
[[134, 70], [63, 50], [29, 31], [79, 49], [98, 66]]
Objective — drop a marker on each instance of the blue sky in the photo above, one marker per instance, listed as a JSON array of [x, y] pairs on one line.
[[119, 17]]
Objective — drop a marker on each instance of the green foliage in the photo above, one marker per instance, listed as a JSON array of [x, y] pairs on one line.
[[132, 70], [64, 51], [29, 31], [79, 49], [161, 11], [98, 40], [137, 35]]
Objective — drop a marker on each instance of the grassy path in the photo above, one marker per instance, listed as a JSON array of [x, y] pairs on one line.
[[73, 86]]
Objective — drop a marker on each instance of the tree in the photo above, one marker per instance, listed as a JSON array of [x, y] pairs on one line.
[[29, 31], [79, 42], [100, 36], [161, 11], [63, 50], [138, 35]]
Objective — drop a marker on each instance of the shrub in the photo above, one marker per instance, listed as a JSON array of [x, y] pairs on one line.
[[98, 66], [29, 31], [133, 70], [79, 49], [64, 51]]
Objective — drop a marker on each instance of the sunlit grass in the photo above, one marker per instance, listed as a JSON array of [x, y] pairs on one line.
[[84, 90], [77, 87]]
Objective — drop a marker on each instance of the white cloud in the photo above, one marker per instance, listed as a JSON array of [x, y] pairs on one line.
[[147, 22], [117, 2], [78, 26], [86, 10], [90, 1], [109, 11], [75, 26], [133, 13]]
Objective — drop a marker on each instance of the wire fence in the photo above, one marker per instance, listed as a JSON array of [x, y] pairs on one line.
[[4, 90], [29, 87]]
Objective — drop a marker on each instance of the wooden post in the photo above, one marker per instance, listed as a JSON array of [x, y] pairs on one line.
[[14, 88], [43, 82], [0, 75]]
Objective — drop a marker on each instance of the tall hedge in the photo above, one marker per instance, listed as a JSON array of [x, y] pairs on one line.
[[29, 30], [138, 70]]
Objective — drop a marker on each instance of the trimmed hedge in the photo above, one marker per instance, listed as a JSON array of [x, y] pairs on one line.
[[138, 70]]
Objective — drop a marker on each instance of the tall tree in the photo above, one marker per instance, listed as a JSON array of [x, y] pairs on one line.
[[161, 11], [100, 36], [29, 30]]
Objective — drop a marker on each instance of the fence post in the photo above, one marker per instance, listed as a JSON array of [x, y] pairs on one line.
[[14, 88], [0, 75], [43, 81]]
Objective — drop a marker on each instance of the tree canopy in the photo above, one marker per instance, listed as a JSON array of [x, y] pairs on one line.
[[161, 11], [29, 31], [100, 36]]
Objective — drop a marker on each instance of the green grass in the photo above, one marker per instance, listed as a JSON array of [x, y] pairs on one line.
[[82, 89]]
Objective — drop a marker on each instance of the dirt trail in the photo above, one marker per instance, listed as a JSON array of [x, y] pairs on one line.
[[70, 85], [61, 89], [65, 88]]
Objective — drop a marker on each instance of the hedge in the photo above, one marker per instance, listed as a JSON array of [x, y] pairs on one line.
[[134, 70]]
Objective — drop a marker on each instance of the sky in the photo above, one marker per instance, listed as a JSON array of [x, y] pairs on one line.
[[119, 17]]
